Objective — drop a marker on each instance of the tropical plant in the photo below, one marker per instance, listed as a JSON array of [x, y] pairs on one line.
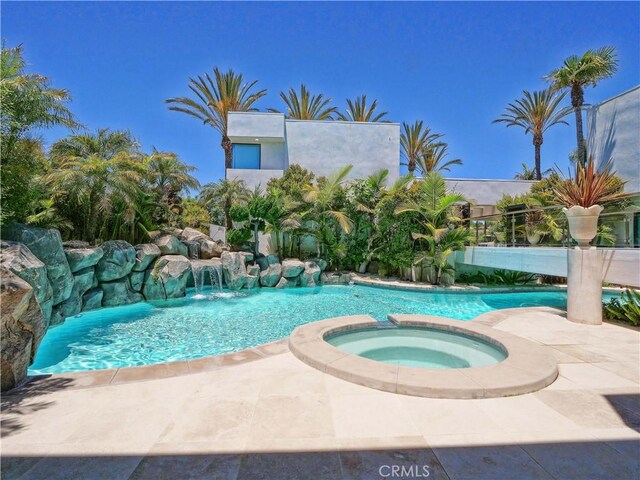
[[305, 106], [325, 216], [530, 173], [415, 140], [358, 111], [194, 215], [536, 113], [498, 277], [589, 185], [220, 196], [579, 72], [95, 176], [626, 308], [27, 102], [441, 233], [433, 159], [214, 98], [256, 215], [292, 182]]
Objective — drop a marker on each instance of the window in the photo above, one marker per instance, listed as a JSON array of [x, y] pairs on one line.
[[246, 156]]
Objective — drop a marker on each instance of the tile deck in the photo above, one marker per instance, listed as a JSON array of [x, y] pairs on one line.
[[269, 415]]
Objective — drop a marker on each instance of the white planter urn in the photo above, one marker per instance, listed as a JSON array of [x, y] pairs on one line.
[[533, 237], [583, 223]]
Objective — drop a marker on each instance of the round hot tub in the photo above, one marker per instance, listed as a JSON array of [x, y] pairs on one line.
[[425, 356], [421, 347]]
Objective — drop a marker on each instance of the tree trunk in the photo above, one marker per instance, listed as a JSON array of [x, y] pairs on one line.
[[228, 153], [577, 99], [537, 142], [256, 249], [228, 223]]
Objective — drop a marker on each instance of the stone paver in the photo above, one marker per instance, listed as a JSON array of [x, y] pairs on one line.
[[275, 417]]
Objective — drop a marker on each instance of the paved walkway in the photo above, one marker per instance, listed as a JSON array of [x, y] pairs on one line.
[[277, 418]]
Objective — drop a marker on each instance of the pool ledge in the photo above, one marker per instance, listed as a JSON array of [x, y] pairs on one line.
[[527, 368]]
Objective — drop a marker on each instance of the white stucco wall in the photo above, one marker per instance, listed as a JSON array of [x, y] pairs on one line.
[[486, 193], [613, 132], [251, 125], [620, 266], [272, 156], [325, 146], [253, 178]]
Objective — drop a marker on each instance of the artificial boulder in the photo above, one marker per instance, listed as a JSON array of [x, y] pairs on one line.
[[84, 280], [271, 276], [170, 245], [80, 258], [146, 253], [118, 260], [193, 249], [167, 278], [70, 307], [287, 282], [92, 299], [22, 327], [119, 292], [46, 245], [234, 270], [209, 248], [253, 281], [292, 267], [17, 258], [310, 277], [136, 279], [253, 270], [191, 234]]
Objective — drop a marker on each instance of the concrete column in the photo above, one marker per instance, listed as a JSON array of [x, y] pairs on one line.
[[584, 285]]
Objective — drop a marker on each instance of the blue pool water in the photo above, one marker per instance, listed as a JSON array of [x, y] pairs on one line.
[[419, 347], [198, 326]]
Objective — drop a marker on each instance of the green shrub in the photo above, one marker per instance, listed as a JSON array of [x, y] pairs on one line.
[[237, 237], [499, 277], [626, 308]]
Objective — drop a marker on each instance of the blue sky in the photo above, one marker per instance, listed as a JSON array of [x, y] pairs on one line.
[[453, 65]]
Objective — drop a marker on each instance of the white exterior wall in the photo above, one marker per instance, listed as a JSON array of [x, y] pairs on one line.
[[253, 178], [272, 156], [255, 125], [325, 146], [613, 132], [484, 194], [620, 266]]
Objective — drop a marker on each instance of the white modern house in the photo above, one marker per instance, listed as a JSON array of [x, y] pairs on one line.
[[265, 144]]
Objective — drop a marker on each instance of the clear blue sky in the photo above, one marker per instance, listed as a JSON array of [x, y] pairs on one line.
[[454, 65]]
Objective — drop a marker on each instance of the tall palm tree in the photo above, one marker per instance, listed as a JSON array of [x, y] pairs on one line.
[[214, 99], [359, 111], [433, 159], [306, 106], [414, 140], [536, 113], [222, 195], [94, 175], [441, 230], [579, 72]]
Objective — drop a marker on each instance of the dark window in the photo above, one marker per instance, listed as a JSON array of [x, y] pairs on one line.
[[246, 156]]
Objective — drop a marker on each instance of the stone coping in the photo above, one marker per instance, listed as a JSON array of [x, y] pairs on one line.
[[527, 368], [156, 371]]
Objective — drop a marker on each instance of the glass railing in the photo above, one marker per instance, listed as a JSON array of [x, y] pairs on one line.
[[618, 226]]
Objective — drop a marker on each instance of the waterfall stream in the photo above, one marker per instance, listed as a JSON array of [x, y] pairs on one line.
[[203, 271]]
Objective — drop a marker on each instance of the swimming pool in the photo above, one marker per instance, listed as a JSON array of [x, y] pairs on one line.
[[199, 326]]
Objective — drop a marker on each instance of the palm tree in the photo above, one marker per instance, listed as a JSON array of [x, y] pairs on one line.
[[536, 113], [433, 159], [169, 177], [223, 195], [442, 234], [322, 212], [414, 140], [358, 111], [307, 106], [214, 99], [530, 173], [93, 176], [578, 72]]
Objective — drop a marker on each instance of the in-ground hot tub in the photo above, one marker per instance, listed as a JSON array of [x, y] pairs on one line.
[[421, 347], [425, 356]]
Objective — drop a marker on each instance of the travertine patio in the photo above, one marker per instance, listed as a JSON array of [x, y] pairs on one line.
[[271, 416]]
